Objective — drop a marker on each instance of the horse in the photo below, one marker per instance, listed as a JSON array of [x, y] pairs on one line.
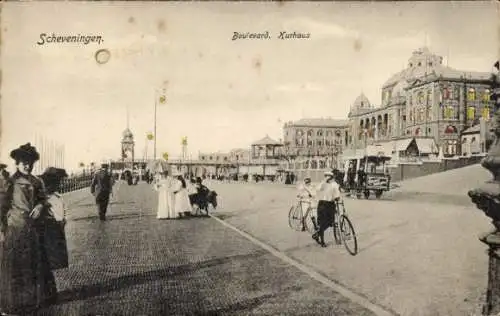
[[203, 199]]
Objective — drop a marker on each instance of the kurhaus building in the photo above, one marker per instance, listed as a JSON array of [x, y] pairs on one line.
[[427, 107]]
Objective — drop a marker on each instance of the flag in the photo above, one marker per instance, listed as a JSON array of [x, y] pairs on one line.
[[162, 96], [150, 136], [165, 156], [471, 112], [184, 141]]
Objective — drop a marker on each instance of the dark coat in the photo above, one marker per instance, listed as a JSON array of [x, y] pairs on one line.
[[102, 184]]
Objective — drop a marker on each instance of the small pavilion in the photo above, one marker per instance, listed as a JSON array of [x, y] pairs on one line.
[[266, 148]]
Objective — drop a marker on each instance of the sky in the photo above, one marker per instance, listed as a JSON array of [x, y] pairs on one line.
[[221, 94]]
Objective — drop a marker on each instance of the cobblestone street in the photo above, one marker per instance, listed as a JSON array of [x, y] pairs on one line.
[[134, 264], [419, 252]]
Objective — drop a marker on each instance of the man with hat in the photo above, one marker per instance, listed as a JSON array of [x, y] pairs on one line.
[[101, 188], [327, 194]]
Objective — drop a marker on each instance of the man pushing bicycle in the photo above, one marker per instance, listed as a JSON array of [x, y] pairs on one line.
[[327, 194]]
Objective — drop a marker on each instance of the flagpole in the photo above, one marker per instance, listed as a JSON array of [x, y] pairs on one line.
[[156, 104]]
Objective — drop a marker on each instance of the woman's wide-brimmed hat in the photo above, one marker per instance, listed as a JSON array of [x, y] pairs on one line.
[[25, 153]]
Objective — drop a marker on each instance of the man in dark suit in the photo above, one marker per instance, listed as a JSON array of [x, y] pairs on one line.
[[101, 188]]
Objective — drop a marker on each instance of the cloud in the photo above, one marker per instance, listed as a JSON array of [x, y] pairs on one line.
[[320, 29]]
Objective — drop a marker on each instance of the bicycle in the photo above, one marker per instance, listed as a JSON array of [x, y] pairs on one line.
[[300, 221], [343, 230]]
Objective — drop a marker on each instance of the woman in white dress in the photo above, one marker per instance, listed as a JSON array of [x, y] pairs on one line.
[[165, 200], [182, 205]]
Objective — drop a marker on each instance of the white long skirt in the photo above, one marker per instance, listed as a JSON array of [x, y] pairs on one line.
[[182, 203], [165, 204]]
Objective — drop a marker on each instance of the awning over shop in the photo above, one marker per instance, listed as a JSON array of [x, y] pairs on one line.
[[402, 145], [426, 145]]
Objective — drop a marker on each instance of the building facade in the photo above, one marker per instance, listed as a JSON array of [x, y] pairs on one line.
[[315, 137], [428, 102], [425, 100]]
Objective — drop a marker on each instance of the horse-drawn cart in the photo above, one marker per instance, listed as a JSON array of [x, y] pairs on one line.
[[367, 173]]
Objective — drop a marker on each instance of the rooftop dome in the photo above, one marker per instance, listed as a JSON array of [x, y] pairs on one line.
[[361, 102], [421, 62], [127, 133]]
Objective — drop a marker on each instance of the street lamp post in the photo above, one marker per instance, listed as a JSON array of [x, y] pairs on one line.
[[487, 199], [155, 136]]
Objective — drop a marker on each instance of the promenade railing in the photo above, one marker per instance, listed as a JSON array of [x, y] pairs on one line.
[[76, 182]]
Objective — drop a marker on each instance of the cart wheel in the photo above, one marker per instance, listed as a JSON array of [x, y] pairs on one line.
[[378, 194], [367, 194]]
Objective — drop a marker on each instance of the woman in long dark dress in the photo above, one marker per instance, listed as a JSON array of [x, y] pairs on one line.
[[26, 281]]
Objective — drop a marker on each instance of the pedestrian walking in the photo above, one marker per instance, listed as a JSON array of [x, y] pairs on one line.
[[327, 194], [182, 204], [52, 228], [101, 188], [163, 185], [26, 280]]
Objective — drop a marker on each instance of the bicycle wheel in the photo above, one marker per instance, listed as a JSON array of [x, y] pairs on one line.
[[295, 218], [310, 221], [348, 235], [336, 228]]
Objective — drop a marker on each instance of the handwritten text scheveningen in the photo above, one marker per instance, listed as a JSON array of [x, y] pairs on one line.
[[54, 39]]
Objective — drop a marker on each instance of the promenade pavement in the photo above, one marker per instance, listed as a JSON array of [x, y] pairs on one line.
[[419, 255], [134, 264]]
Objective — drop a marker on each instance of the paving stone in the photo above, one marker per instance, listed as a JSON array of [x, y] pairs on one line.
[[134, 264]]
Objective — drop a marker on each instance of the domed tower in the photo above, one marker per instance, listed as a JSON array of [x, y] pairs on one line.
[[128, 145], [360, 105]]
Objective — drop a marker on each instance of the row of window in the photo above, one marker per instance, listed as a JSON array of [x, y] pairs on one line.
[[371, 132], [451, 112], [450, 129], [327, 142], [448, 112], [450, 93], [218, 158], [320, 133]]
